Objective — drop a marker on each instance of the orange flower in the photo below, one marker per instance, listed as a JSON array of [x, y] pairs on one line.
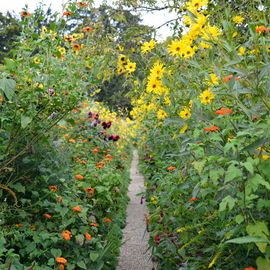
[[108, 157], [95, 150], [83, 162], [79, 177], [171, 168], [88, 236], [108, 220], [53, 188], [67, 13], [193, 199], [211, 129], [223, 111], [61, 267], [19, 225], [25, 14], [66, 234], [93, 224], [68, 38], [100, 165], [261, 29], [250, 268], [89, 190], [71, 141], [88, 29], [229, 77], [82, 4], [66, 136], [47, 216], [76, 47], [61, 260], [77, 208]]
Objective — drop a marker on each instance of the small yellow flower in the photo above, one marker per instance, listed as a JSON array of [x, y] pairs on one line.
[[213, 79], [184, 129], [161, 114], [36, 60], [242, 51], [238, 19], [206, 97], [62, 50], [148, 46], [185, 113], [235, 34], [130, 67]]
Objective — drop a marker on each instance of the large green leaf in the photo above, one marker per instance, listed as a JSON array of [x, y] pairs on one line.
[[8, 86], [246, 240], [262, 263], [25, 120]]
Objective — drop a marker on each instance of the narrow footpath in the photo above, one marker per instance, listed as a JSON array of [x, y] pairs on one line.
[[134, 254]]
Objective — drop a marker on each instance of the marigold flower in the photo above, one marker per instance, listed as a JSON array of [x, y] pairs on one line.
[[67, 13], [79, 177], [211, 129], [47, 216], [25, 13], [88, 29], [82, 4], [229, 77], [223, 111], [61, 267], [53, 188], [193, 199], [107, 220], [66, 234], [88, 236], [76, 47], [19, 225], [108, 157], [171, 168], [77, 208], [95, 150], [71, 140], [260, 29], [89, 190], [100, 165], [93, 224], [61, 260], [250, 268]]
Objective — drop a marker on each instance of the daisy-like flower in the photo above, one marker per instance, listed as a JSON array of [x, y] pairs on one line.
[[148, 46], [88, 29], [207, 96], [185, 113], [194, 5], [211, 32], [157, 70], [67, 13], [176, 48], [82, 4], [161, 114], [238, 19], [76, 47], [213, 79], [130, 66], [62, 50], [153, 85], [25, 13]]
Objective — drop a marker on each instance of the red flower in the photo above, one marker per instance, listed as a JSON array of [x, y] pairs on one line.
[[47, 216], [193, 199], [88, 236], [67, 13], [211, 129], [250, 268], [157, 239], [108, 220], [229, 77], [223, 111], [77, 208]]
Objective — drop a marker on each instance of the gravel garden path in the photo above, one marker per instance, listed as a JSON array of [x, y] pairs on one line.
[[134, 254]]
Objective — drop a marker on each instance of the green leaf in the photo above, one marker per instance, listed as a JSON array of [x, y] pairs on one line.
[[254, 182], [8, 86], [82, 265], [227, 201], [262, 263], [94, 256], [249, 166], [80, 239], [199, 165], [25, 120], [232, 173], [259, 229], [56, 252], [246, 240]]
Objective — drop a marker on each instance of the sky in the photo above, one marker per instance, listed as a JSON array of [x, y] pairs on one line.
[[155, 19]]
